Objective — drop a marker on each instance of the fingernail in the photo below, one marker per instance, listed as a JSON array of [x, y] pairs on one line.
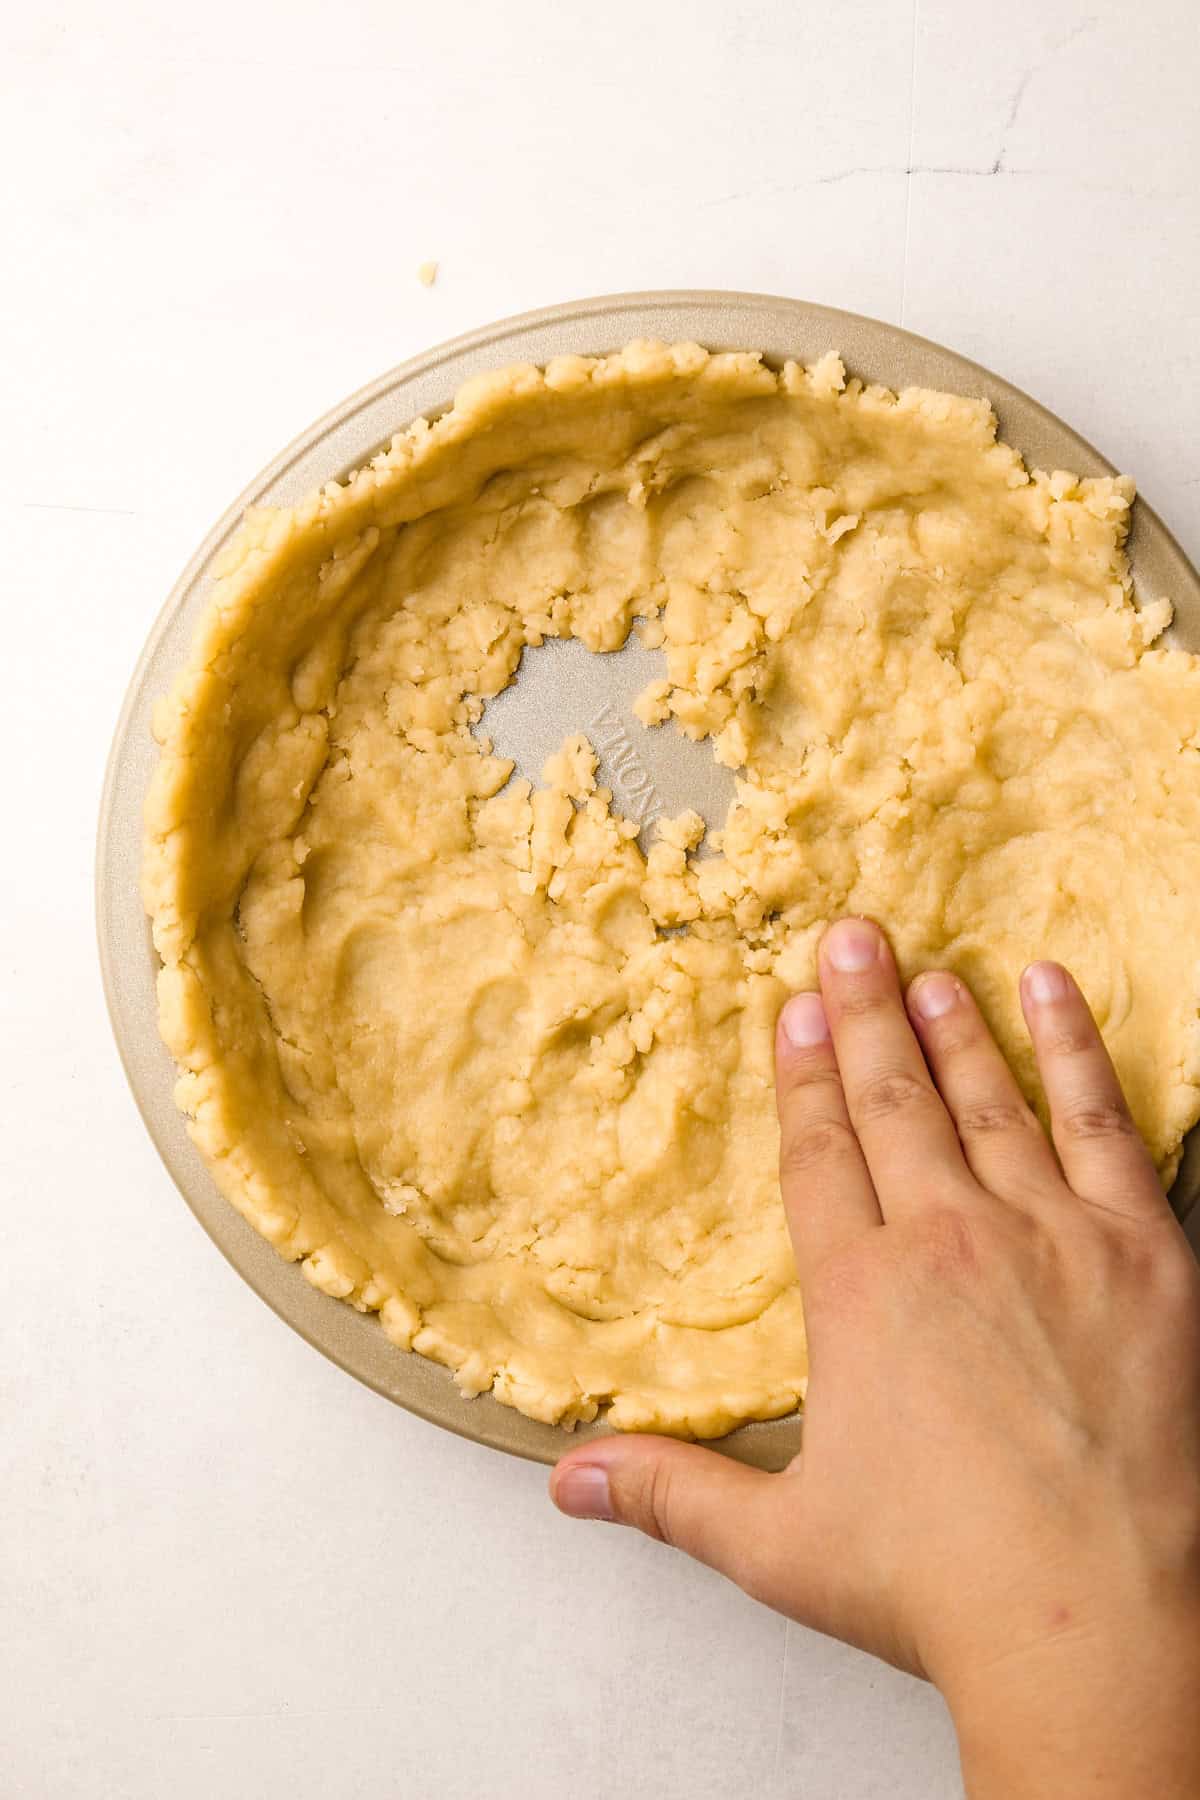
[[582, 1492], [804, 1022], [851, 945], [934, 994], [1045, 982]]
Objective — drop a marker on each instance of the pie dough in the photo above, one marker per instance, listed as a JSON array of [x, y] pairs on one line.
[[458, 1045]]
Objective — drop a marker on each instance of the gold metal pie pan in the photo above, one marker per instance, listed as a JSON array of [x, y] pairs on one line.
[[341, 441]]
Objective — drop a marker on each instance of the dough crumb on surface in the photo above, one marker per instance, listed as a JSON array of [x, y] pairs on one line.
[[452, 1039], [427, 273]]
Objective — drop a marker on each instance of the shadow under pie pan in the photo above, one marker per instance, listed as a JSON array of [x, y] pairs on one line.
[[330, 449]]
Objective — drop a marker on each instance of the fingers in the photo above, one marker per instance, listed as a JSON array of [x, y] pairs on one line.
[[907, 1139], [866, 1134], [715, 1509], [1102, 1156], [827, 1192], [1005, 1147]]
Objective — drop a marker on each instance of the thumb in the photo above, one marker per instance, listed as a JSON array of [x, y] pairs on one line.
[[703, 1503]]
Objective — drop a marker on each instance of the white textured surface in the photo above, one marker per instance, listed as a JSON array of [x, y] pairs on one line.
[[225, 1569]]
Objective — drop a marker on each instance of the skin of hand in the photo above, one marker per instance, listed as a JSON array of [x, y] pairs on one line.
[[999, 1487]]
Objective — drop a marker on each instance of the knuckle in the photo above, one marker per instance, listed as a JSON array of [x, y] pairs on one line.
[[1070, 1038], [653, 1502], [1174, 1275], [810, 1078], [955, 1034], [948, 1243], [1136, 1260], [863, 999], [840, 1285], [986, 1118], [883, 1096], [1084, 1120], [813, 1143], [1157, 1260]]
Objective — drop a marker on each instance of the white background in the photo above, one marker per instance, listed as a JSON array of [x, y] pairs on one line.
[[224, 1568]]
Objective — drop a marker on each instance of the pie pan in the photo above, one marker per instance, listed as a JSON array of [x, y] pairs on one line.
[[338, 443]]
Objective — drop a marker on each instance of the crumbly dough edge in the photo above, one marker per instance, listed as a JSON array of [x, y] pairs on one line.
[[245, 578]]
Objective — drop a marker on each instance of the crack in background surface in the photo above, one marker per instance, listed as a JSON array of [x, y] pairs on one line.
[[999, 165]]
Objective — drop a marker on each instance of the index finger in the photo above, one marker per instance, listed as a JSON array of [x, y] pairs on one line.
[[828, 1195]]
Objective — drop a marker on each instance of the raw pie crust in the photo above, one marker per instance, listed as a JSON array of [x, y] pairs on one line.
[[458, 1045]]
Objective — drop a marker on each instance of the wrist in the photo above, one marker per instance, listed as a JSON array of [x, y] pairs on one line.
[[1109, 1712]]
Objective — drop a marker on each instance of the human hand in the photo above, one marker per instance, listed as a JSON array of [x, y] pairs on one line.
[[999, 1487]]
